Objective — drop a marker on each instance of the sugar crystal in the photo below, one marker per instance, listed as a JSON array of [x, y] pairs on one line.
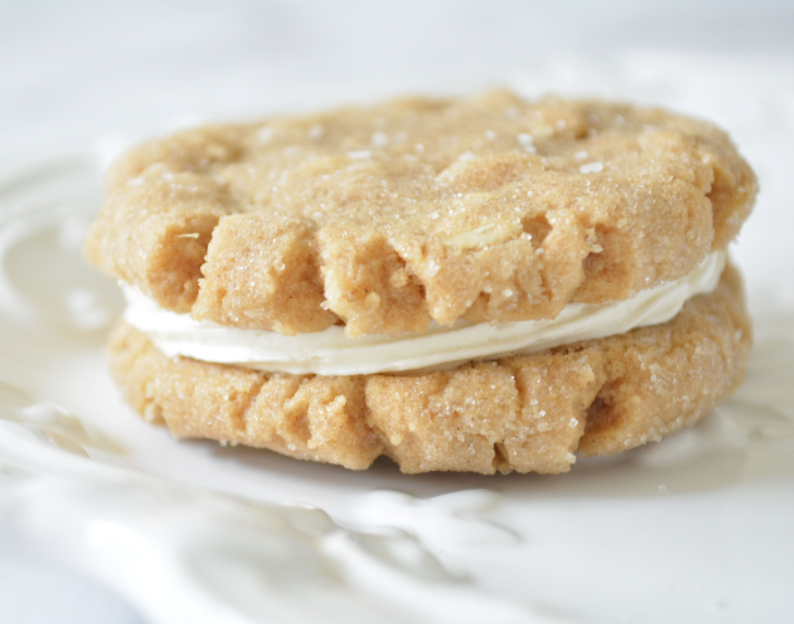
[[593, 167], [359, 154]]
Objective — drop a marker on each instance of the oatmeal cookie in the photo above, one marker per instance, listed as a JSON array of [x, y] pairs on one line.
[[384, 218]]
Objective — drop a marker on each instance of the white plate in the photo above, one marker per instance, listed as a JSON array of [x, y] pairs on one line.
[[191, 531]]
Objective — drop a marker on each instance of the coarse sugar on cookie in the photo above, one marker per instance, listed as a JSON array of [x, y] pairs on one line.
[[527, 413], [384, 218]]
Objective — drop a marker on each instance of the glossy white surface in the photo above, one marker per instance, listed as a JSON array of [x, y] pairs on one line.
[[694, 529]]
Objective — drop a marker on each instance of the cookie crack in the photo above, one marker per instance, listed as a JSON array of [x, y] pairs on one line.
[[240, 420], [500, 462]]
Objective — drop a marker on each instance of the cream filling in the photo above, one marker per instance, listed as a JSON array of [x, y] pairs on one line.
[[330, 352]]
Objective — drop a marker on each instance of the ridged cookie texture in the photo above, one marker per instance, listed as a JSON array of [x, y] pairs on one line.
[[525, 413], [383, 218]]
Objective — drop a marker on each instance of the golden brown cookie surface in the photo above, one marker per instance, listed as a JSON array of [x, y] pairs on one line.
[[490, 209], [526, 413]]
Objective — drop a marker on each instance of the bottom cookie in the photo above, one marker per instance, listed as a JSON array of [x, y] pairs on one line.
[[526, 413]]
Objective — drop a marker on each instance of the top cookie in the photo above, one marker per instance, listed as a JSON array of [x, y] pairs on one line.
[[383, 218]]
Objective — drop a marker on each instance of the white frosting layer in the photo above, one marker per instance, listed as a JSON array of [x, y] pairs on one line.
[[330, 352]]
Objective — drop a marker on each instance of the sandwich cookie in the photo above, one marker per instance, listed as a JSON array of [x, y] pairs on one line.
[[482, 284]]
